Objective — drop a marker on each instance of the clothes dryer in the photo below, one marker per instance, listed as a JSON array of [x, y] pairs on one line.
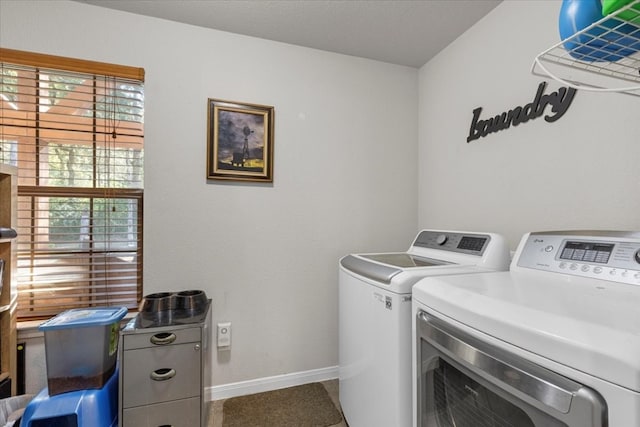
[[551, 343], [375, 318]]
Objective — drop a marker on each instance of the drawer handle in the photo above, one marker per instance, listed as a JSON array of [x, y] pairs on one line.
[[163, 338], [163, 374]]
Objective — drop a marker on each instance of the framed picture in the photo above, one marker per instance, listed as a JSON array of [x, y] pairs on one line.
[[240, 141]]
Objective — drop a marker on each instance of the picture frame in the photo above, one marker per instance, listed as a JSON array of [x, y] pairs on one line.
[[240, 141]]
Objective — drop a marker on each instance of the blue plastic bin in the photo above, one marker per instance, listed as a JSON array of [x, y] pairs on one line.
[[81, 348]]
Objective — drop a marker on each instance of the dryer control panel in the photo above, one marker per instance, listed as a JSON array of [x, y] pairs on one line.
[[605, 255]]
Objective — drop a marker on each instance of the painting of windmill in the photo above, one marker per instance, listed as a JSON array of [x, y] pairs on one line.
[[240, 141]]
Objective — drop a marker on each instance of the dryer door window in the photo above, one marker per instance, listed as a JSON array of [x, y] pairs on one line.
[[464, 382], [462, 402]]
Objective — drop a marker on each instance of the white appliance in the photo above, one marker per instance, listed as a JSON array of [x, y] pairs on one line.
[[375, 318], [555, 341]]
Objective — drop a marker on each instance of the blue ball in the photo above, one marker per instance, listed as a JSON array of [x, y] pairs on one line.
[[611, 41]]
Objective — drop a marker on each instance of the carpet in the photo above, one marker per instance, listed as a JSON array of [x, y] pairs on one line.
[[307, 405]]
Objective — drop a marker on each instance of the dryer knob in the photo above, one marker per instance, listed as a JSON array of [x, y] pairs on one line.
[[442, 239], [637, 256]]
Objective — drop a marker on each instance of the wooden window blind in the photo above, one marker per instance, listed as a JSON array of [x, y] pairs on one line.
[[75, 130]]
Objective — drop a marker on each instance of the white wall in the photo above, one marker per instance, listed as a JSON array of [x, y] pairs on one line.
[[580, 172], [345, 172]]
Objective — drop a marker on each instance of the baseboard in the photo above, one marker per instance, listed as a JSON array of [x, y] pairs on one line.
[[225, 391]]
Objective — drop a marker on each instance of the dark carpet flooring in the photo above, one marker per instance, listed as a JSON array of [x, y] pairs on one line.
[[307, 405]]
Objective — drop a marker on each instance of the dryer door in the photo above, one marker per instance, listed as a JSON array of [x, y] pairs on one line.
[[464, 382]]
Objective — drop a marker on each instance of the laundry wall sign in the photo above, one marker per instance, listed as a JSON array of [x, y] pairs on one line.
[[558, 103]]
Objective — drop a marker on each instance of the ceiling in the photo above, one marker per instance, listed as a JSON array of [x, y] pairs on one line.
[[400, 32]]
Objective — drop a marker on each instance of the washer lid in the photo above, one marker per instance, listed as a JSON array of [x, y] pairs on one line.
[[404, 260], [386, 265], [586, 324]]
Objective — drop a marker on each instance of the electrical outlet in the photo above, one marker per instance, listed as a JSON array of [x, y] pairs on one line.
[[224, 334]]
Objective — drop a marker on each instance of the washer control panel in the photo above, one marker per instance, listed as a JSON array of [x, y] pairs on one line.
[[467, 243], [605, 255]]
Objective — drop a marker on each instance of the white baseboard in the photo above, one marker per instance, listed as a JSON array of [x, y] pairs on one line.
[[225, 391]]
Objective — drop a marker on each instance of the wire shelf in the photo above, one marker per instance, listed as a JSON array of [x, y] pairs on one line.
[[603, 57]]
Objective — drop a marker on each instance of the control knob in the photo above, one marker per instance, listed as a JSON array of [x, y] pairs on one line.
[[442, 239], [637, 256]]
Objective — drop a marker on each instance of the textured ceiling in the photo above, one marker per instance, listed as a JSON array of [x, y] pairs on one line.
[[400, 32]]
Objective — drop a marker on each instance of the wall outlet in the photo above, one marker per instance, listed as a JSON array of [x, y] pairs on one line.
[[224, 334]]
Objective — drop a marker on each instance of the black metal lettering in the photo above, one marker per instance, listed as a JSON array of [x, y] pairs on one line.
[[559, 101]]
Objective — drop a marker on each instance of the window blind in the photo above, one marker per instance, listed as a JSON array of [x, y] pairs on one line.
[[77, 138]]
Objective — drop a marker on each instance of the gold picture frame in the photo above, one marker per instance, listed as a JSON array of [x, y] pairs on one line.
[[240, 141]]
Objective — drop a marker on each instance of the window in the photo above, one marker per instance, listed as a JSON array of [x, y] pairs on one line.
[[74, 129]]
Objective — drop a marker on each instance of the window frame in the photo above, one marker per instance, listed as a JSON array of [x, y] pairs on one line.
[[39, 61]]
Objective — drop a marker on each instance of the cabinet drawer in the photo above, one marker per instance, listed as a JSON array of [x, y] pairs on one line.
[[161, 338], [179, 413], [160, 374]]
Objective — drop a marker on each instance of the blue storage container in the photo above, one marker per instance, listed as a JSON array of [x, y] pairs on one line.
[[81, 348]]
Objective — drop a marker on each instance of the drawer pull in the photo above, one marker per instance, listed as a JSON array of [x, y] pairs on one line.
[[166, 425], [163, 338], [163, 374]]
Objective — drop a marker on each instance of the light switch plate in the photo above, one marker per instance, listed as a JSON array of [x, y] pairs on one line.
[[224, 334]]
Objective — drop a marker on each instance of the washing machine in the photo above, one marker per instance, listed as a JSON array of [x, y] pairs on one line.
[[375, 318], [554, 342]]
